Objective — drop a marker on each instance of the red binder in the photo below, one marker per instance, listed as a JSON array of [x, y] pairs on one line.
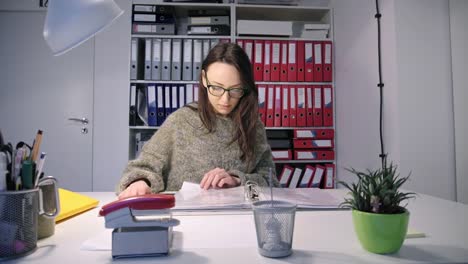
[[317, 106], [292, 63], [277, 118], [326, 133], [284, 61], [318, 75], [296, 178], [328, 181], [300, 60], [314, 155], [270, 111], [309, 61], [312, 143], [285, 176], [327, 105], [317, 178], [301, 106], [258, 60], [307, 177], [285, 154], [309, 106], [275, 60], [285, 108], [327, 61], [292, 106], [249, 49], [240, 42], [267, 60], [262, 102]]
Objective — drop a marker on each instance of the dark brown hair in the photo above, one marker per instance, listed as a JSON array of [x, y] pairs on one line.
[[245, 114]]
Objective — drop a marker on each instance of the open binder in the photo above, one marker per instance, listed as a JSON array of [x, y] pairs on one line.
[[192, 197]]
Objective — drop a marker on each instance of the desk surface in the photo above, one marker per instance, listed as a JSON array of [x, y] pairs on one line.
[[319, 237]]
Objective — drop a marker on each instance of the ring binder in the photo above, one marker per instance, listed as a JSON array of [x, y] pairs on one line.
[[252, 191]]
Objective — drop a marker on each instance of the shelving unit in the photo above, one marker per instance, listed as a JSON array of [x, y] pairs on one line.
[[297, 15]]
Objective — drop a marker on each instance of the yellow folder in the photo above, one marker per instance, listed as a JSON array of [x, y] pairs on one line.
[[72, 203]]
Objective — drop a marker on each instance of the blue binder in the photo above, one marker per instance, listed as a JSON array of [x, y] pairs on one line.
[[161, 116], [174, 97], [181, 95], [167, 99], [152, 105]]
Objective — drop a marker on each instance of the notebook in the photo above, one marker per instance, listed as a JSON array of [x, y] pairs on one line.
[[72, 203], [192, 197]]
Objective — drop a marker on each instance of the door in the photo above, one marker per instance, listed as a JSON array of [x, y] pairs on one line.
[[40, 91]]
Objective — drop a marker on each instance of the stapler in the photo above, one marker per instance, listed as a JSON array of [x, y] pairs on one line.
[[142, 225]]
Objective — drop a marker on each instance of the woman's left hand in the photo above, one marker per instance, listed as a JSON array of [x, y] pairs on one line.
[[219, 178]]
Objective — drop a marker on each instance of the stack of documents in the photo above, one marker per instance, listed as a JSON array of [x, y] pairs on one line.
[[264, 27], [192, 197], [208, 22]]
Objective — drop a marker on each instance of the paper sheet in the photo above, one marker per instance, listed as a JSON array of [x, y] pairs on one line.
[[196, 234]]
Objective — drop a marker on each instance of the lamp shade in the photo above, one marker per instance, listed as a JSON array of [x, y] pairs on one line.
[[71, 22]]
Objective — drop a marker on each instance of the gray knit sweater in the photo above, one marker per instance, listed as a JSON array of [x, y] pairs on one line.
[[183, 150]]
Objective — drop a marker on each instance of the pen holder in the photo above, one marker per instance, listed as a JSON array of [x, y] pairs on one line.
[[19, 212]]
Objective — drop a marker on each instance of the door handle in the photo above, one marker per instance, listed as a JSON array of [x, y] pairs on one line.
[[83, 120]]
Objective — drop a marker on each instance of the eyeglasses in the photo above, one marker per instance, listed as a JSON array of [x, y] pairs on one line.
[[218, 91]]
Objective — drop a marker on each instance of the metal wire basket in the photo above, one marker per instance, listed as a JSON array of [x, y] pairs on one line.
[[274, 223], [18, 223]]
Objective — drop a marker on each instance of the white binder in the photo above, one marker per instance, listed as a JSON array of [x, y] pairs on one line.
[[176, 64], [187, 61], [197, 58], [148, 48], [166, 60], [156, 61], [206, 48], [134, 59]]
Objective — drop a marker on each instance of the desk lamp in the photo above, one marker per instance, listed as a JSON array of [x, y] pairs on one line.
[[71, 22]]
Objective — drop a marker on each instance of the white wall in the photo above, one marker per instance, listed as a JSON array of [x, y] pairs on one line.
[[459, 37], [111, 97], [425, 96], [418, 118], [356, 93], [418, 96]]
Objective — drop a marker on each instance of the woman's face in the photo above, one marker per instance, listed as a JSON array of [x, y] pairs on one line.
[[221, 76]]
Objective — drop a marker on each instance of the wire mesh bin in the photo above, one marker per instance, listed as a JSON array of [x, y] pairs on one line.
[[18, 223], [274, 223]]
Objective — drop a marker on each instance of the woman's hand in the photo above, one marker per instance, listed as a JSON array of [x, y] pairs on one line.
[[136, 188], [219, 178]]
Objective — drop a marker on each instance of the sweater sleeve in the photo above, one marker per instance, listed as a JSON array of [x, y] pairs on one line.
[[153, 160], [263, 161]]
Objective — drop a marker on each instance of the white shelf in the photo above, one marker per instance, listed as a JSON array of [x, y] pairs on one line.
[[298, 15], [162, 81], [293, 128], [301, 161], [182, 36]]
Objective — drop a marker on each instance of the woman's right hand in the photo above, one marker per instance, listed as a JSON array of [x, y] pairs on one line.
[[135, 189]]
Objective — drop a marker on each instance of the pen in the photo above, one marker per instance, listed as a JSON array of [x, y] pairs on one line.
[[40, 165], [36, 145]]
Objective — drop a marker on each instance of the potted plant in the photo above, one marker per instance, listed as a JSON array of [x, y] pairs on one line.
[[380, 220]]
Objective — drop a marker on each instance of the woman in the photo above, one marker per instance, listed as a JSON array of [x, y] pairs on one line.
[[219, 141]]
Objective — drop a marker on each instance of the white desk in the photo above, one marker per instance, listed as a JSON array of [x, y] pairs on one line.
[[319, 237]]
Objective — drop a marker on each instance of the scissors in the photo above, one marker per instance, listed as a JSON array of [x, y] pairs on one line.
[[26, 149]]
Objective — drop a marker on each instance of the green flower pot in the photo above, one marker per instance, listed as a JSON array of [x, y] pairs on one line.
[[381, 233]]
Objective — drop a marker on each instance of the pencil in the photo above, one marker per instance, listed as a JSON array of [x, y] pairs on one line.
[[36, 145]]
